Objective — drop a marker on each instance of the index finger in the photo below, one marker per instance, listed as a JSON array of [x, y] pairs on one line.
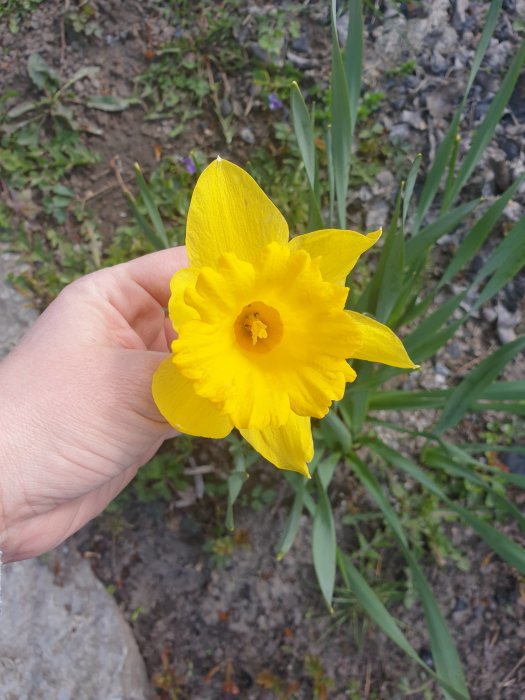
[[154, 271]]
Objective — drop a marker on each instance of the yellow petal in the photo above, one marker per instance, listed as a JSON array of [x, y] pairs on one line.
[[338, 250], [179, 311], [229, 213], [299, 365], [182, 408], [289, 446], [375, 342]]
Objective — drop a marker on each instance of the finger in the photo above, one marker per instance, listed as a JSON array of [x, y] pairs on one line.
[[153, 272], [170, 334]]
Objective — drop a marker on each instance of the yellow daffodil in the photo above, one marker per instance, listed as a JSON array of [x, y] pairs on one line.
[[263, 335]]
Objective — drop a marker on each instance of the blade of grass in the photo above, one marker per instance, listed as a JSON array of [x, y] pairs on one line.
[[324, 544], [304, 133], [472, 387], [409, 186], [502, 545], [388, 278], [151, 207], [372, 605], [428, 328], [353, 59], [461, 455], [478, 233], [444, 150], [485, 131], [444, 652], [341, 125], [435, 398], [292, 524], [420, 244], [506, 261], [437, 458]]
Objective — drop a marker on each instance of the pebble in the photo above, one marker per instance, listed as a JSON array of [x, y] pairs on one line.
[[247, 135], [438, 63], [399, 134]]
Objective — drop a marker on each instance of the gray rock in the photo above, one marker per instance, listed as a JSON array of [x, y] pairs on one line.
[[61, 639], [247, 135], [64, 637], [376, 213], [16, 312]]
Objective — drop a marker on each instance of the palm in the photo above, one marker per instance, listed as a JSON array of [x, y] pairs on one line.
[[98, 346]]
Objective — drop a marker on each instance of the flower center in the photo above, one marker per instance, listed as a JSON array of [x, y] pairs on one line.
[[258, 327]]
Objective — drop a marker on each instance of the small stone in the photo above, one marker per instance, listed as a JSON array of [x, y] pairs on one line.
[[226, 107], [460, 604], [399, 134], [301, 62], [376, 213], [514, 461], [441, 369], [438, 63], [300, 45], [269, 59], [517, 99], [510, 148], [414, 119], [247, 135]]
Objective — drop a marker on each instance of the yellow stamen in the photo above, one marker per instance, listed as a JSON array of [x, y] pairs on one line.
[[256, 327]]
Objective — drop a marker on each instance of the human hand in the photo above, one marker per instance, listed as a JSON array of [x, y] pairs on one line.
[[77, 418]]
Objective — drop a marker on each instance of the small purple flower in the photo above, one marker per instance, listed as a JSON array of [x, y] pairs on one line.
[[274, 102], [189, 165]]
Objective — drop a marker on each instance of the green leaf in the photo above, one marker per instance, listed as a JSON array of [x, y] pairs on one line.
[[472, 387], [353, 59], [506, 261], [442, 645], [378, 613], [444, 150], [152, 209], [409, 186], [439, 458], [338, 432], [505, 391], [485, 131], [292, 524], [326, 468], [109, 103], [478, 233], [235, 482], [461, 454], [22, 108], [41, 74], [420, 244], [341, 125], [427, 337], [389, 274], [324, 544], [407, 400], [304, 133], [80, 74], [502, 545]]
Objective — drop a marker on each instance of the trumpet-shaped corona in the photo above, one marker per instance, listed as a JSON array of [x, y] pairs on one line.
[[263, 334]]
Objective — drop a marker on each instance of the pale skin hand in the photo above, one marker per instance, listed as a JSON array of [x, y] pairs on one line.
[[77, 418]]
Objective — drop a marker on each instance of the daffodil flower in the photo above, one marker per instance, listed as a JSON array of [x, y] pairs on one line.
[[263, 334]]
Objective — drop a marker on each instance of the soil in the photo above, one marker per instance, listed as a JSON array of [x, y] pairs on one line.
[[247, 625]]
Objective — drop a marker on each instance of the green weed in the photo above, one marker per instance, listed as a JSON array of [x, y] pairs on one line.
[[15, 11]]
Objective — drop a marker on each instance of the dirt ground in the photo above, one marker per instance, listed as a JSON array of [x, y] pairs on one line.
[[250, 626]]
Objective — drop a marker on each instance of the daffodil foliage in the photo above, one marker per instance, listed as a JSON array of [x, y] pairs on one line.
[[264, 338]]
